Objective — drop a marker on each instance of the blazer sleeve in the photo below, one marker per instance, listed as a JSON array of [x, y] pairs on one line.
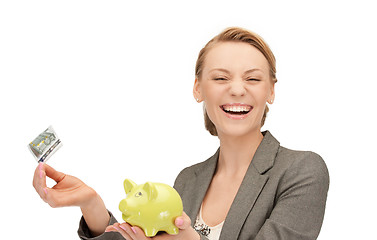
[[300, 201], [84, 232]]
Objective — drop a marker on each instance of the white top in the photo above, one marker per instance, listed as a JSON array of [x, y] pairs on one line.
[[212, 233]]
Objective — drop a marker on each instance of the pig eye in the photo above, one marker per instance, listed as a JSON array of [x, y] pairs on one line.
[[138, 194]]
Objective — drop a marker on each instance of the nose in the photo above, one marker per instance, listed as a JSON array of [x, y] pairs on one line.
[[123, 205], [237, 88]]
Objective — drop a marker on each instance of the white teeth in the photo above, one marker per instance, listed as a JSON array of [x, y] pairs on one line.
[[237, 108]]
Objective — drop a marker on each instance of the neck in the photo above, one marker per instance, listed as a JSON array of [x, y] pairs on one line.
[[237, 152]]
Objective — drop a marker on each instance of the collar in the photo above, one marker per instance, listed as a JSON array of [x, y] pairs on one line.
[[251, 186], [262, 161]]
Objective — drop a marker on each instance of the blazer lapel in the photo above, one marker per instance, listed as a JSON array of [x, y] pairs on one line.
[[250, 188], [201, 184]]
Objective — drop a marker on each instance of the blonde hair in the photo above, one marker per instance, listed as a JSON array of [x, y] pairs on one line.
[[235, 34]]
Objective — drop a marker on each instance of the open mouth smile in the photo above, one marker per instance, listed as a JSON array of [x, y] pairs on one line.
[[236, 110]]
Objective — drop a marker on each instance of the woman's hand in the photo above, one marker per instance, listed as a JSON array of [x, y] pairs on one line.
[[186, 232], [68, 191], [71, 191]]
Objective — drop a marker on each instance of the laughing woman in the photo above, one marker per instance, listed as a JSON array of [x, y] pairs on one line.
[[251, 188]]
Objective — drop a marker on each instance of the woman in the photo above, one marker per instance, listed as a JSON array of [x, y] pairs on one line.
[[251, 188]]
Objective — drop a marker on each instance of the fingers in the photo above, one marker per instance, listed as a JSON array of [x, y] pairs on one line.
[[138, 233], [53, 174], [183, 222], [39, 181], [135, 233], [127, 231]]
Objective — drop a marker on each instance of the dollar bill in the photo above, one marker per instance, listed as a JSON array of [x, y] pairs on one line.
[[45, 145]]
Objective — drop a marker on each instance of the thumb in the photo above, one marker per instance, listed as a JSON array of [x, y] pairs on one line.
[[52, 173], [183, 221]]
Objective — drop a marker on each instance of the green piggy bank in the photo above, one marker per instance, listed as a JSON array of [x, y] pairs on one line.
[[151, 206]]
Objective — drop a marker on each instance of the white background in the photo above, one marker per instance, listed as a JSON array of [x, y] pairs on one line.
[[114, 78]]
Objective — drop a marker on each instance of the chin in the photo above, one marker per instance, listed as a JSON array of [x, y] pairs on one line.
[[238, 131]]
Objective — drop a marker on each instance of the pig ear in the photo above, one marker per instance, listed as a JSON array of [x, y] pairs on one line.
[[151, 190], [128, 185]]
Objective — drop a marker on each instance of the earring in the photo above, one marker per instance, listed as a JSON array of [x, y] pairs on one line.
[[270, 101], [197, 99]]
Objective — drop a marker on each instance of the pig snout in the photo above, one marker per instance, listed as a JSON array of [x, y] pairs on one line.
[[123, 206]]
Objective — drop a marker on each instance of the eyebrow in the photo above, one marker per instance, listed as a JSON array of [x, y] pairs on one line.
[[253, 70], [228, 72]]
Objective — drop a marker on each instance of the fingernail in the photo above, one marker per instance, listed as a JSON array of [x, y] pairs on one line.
[[122, 227], [133, 230], [45, 190], [117, 228], [179, 221]]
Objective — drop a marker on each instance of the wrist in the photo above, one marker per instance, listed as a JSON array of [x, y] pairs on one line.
[[91, 200], [95, 214]]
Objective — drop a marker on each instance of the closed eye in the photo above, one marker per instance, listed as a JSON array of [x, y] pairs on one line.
[[253, 79], [220, 79]]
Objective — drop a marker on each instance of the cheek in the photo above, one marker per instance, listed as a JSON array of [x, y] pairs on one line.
[[260, 94], [211, 95], [211, 106], [208, 90], [212, 101], [260, 97]]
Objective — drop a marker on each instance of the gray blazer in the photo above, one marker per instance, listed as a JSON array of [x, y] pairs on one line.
[[282, 196]]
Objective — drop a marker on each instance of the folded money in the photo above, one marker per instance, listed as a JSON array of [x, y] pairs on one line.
[[43, 146]]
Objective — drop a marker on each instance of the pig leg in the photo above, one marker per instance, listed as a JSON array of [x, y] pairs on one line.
[[150, 232], [172, 230]]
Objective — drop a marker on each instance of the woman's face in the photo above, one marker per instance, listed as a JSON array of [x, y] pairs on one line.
[[235, 85]]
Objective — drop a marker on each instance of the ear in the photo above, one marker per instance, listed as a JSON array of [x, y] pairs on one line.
[[151, 190], [197, 91], [128, 185]]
